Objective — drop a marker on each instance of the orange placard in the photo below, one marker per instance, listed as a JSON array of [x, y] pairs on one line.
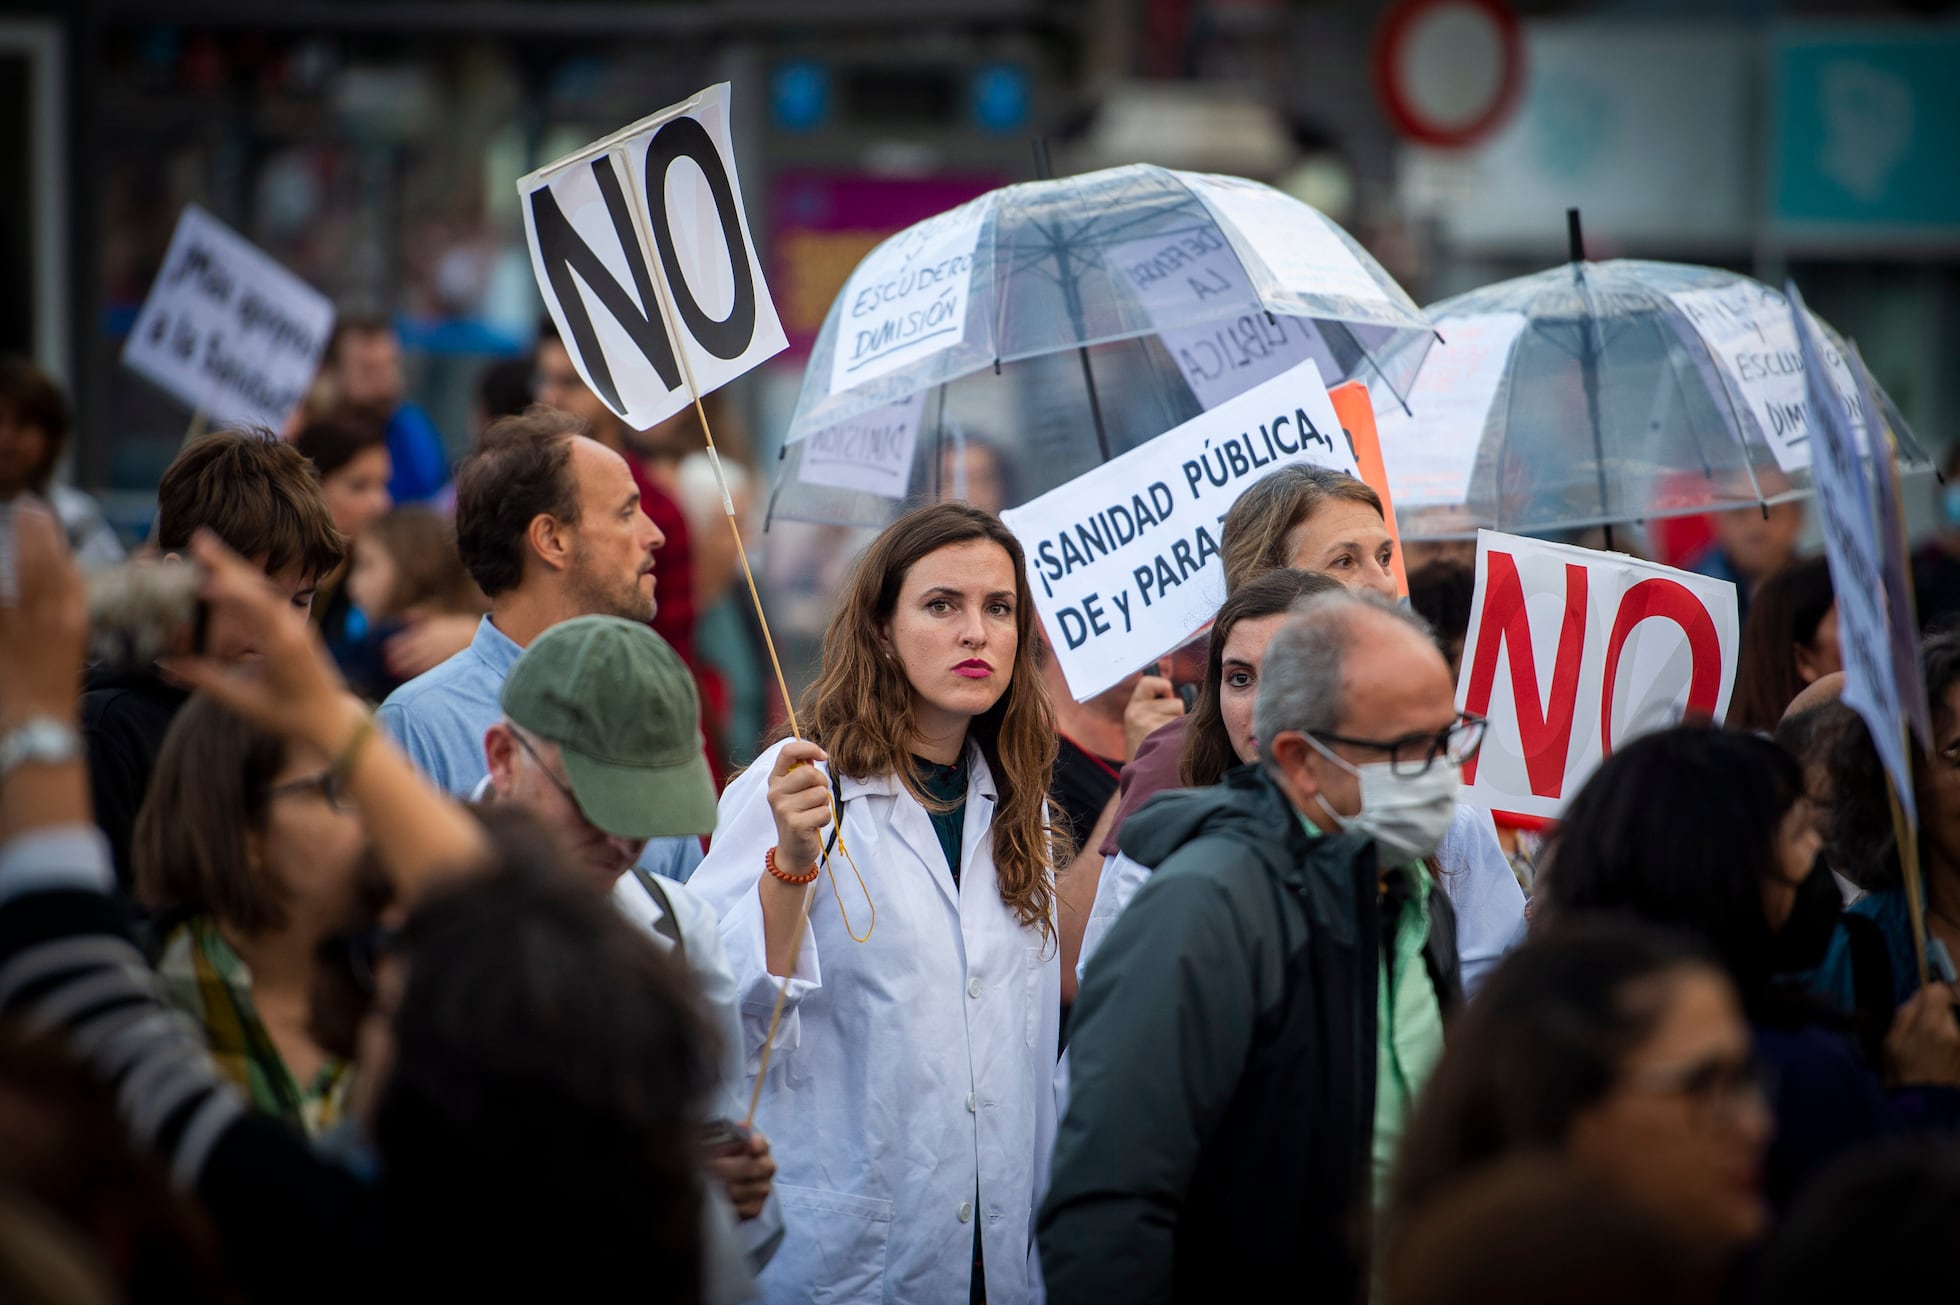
[[1357, 414]]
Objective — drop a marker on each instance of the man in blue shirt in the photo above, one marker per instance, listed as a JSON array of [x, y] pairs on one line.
[[363, 367], [549, 524]]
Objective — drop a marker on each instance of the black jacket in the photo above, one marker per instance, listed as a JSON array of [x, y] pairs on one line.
[[125, 715], [1222, 1085]]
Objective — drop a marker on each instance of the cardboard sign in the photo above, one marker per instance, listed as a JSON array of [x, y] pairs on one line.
[[1571, 651], [1876, 683], [907, 300], [642, 252], [1431, 448], [228, 330], [1356, 413], [871, 452], [1752, 338], [1124, 560]]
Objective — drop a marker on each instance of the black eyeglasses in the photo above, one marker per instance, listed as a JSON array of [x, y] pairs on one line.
[[549, 773], [1716, 1089], [323, 783], [1414, 754]]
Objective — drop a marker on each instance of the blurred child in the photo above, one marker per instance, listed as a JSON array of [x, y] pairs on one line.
[[406, 574]]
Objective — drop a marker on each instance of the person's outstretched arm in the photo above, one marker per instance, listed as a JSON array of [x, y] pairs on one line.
[[296, 692]]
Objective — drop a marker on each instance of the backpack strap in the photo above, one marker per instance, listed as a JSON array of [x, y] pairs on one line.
[[667, 926]]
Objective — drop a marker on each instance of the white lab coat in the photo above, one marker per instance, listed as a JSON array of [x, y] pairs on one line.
[[911, 1092]]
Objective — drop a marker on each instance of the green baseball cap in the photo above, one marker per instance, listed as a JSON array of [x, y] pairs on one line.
[[620, 704]]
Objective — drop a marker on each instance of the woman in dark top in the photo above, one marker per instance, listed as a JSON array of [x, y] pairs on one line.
[[1710, 832], [532, 1124]]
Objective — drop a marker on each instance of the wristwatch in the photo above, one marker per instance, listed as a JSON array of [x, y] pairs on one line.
[[39, 740]]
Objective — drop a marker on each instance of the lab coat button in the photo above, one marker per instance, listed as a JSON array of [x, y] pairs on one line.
[[973, 987], [973, 1103], [966, 1212]]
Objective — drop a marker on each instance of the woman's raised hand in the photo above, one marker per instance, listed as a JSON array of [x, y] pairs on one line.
[[1924, 1044], [800, 798]]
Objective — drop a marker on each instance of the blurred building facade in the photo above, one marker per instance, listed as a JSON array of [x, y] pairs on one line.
[[372, 147]]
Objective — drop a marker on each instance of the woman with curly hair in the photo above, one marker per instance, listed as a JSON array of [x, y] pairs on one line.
[[910, 1090]]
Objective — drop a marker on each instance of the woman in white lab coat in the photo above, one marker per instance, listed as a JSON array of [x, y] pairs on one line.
[[909, 1099]]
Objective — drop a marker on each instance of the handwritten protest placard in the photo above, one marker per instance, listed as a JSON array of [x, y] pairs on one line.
[[1752, 338], [226, 329], [1877, 682], [1625, 647], [1124, 560], [643, 254], [870, 452], [1193, 287], [908, 298], [1431, 448]]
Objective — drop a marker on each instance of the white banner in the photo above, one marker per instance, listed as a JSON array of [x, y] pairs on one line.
[[642, 248], [228, 330], [1194, 274], [1124, 560], [1572, 651], [1876, 686], [870, 452], [1431, 449], [907, 300], [1752, 336]]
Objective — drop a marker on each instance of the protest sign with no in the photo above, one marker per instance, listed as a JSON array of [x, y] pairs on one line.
[[643, 254], [1124, 560], [226, 329], [1571, 652]]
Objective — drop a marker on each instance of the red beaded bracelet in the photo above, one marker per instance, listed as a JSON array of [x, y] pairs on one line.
[[769, 864]]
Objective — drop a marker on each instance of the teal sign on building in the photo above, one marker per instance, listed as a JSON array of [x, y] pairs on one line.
[[1868, 131]]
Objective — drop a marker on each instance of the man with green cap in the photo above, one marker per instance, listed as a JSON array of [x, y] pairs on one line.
[[601, 739]]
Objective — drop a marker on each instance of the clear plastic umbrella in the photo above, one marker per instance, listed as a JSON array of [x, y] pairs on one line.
[[1594, 393], [1045, 327]]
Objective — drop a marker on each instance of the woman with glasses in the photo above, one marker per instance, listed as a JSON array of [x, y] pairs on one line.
[[1618, 1050], [250, 857], [1217, 736], [1710, 832]]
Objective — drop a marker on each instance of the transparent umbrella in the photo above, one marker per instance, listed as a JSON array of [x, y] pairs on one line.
[[1040, 329], [1594, 393]]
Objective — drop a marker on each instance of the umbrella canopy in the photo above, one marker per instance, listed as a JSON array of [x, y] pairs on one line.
[[1594, 393], [1058, 323]]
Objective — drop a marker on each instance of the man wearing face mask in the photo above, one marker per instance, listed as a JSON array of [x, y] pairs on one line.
[[1259, 1020]]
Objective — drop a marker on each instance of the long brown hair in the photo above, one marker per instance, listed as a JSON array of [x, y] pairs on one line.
[[1208, 751], [859, 710]]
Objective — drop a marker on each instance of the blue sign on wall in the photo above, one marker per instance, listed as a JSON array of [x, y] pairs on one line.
[[799, 95], [1868, 130]]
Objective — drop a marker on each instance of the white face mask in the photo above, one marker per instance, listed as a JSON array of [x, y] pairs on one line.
[[1406, 815]]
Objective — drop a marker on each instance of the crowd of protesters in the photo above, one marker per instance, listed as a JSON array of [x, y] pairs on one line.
[[452, 912]]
